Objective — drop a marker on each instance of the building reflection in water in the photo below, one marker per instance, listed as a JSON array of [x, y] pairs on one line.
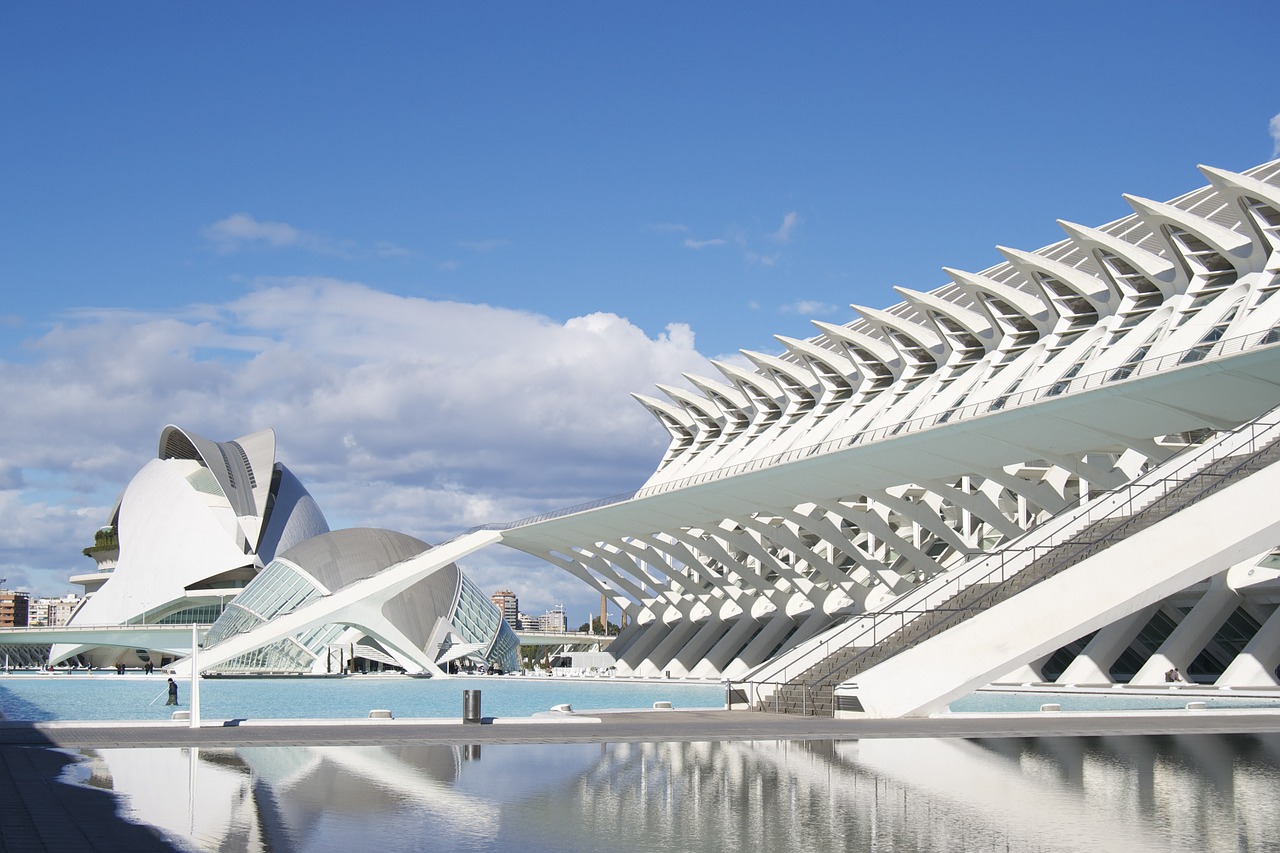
[[1131, 794]]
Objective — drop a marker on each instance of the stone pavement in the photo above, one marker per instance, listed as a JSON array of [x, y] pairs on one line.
[[39, 813]]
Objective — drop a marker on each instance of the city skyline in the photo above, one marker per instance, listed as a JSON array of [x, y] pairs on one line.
[[439, 248]]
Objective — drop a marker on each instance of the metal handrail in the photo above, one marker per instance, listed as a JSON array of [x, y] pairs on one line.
[[1125, 502]]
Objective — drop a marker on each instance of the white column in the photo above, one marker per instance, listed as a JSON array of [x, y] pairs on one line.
[[1093, 665], [1192, 634], [1255, 666], [195, 678]]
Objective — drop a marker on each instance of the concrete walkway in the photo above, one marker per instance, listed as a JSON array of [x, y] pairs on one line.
[[632, 726], [39, 813]]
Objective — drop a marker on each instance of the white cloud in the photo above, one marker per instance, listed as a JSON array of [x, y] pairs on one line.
[[240, 230], [787, 230], [702, 244], [763, 260], [422, 416], [809, 308], [1275, 134]]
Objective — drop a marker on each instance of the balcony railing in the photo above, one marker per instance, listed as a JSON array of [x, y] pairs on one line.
[[1059, 387]]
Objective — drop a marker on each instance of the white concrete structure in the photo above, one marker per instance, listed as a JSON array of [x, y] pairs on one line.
[[373, 594], [194, 526], [831, 479], [222, 531]]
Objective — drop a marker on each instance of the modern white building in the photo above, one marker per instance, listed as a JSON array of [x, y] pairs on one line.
[[441, 618], [191, 529], [815, 501], [1059, 469], [223, 533]]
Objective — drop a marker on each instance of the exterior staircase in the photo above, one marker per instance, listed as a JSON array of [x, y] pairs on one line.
[[812, 691]]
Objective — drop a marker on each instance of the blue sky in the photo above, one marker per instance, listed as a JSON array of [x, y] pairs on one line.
[[436, 245]]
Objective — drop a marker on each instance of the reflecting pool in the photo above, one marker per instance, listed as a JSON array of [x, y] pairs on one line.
[[111, 697], [1130, 794]]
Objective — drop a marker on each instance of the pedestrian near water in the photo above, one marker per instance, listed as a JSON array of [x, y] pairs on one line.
[[173, 693]]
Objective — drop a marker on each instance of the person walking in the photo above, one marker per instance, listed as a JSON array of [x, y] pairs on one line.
[[173, 693]]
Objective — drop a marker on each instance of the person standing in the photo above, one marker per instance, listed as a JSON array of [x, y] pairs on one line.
[[173, 693]]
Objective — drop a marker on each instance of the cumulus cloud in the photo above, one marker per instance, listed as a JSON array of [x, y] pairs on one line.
[[1275, 134], [423, 416], [241, 230]]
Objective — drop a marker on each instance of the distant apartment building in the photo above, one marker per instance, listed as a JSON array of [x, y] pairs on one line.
[[13, 609], [553, 621], [52, 612], [509, 605]]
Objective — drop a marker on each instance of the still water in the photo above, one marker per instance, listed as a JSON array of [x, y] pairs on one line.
[[1129, 794], [110, 697]]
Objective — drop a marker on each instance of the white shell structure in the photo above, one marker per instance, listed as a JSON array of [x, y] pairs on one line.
[[195, 525]]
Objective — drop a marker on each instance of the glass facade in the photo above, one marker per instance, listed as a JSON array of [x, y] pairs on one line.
[[279, 589], [200, 614], [282, 587], [478, 620]]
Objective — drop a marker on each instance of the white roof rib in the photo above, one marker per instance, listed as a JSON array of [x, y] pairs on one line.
[[727, 397], [1240, 188], [1236, 248], [1161, 272], [757, 387], [811, 352], [1096, 291], [676, 420], [862, 346], [973, 322], [704, 410], [1037, 310], [794, 379], [921, 334]]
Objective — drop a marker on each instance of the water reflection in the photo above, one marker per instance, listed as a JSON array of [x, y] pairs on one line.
[[1194, 793]]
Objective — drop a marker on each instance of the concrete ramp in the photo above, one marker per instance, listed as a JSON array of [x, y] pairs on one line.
[[1230, 519]]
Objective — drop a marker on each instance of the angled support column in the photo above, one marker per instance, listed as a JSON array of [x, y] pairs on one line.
[[1093, 665]]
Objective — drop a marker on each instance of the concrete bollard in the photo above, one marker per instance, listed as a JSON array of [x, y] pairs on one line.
[[1196, 706], [662, 705], [381, 714], [181, 715], [1051, 706]]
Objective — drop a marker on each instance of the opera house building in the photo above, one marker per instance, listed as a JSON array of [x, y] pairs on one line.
[[220, 532]]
